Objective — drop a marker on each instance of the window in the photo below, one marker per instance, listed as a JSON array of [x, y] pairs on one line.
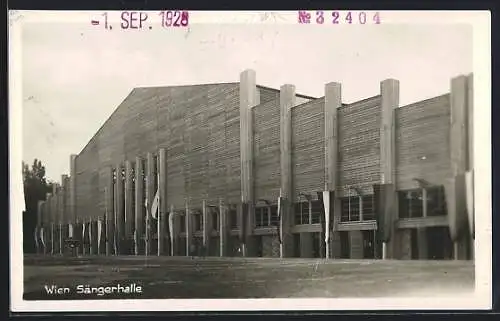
[[198, 221], [260, 216], [302, 213], [368, 204], [351, 208], [318, 210], [436, 201], [183, 223], [233, 217], [215, 219], [411, 204]]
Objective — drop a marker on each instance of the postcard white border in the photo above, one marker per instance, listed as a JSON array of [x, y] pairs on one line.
[[481, 299]]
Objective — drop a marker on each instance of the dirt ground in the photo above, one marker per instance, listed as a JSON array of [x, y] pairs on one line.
[[182, 277]]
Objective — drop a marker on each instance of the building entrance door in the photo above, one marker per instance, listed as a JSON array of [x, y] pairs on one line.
[[439, 244], [345, 245], [368, 244], [316, 240]]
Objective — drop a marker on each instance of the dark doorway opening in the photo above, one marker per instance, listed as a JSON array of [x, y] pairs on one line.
[[414, 243], [345, 245], [296, 245], [368, 244], [439, 243], [316, 239], [258, 246]]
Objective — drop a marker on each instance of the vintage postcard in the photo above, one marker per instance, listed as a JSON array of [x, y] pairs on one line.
[[224, 161]]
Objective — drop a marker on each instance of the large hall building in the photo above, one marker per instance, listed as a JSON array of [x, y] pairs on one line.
[[245, 170]]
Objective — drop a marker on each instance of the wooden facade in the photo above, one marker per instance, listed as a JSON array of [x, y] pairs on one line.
[[198, 130]]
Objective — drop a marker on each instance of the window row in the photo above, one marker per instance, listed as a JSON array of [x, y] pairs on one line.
[[430, 201]]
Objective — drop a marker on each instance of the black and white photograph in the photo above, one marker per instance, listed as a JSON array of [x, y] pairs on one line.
[[296, 160]]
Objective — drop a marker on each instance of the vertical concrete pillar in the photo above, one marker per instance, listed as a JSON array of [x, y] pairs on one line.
[[223, 229], [470, 154], [306, 245], [139, 206], [96, 238], [455, 188], [109, 213], [119, 208], [287, 101], [389, 91], [129, 210], [189, 232], [163, 238], [83, 235], [249, 97], [172, 230], [150, 193], [206, 225], [99, 229], [72, 188], [90, 236], [333, 101]]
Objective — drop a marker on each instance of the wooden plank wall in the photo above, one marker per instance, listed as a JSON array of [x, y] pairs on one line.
[[359, 144], [308, 147], [266, 144], [199, 127], [423, 130]]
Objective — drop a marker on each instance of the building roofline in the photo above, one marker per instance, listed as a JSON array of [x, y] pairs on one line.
[[277, 90]]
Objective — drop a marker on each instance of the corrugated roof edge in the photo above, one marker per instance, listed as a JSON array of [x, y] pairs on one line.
[[207, 84], [129, 95], [277, 90]]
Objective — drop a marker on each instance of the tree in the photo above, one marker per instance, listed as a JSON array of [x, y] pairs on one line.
[[36, 187]]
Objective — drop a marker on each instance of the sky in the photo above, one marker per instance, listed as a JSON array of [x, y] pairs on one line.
[[75, 75]]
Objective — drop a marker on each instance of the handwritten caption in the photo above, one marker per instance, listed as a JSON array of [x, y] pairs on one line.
[[337, 17], [142, 20]]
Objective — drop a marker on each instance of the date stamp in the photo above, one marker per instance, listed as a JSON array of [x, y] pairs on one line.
[[143, 20], [337, 17]]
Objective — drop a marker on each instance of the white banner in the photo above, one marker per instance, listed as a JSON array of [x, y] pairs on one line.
[[156, 204], [42, 236], [326, 203], [70, 230], [36, 238], [99, 235]]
